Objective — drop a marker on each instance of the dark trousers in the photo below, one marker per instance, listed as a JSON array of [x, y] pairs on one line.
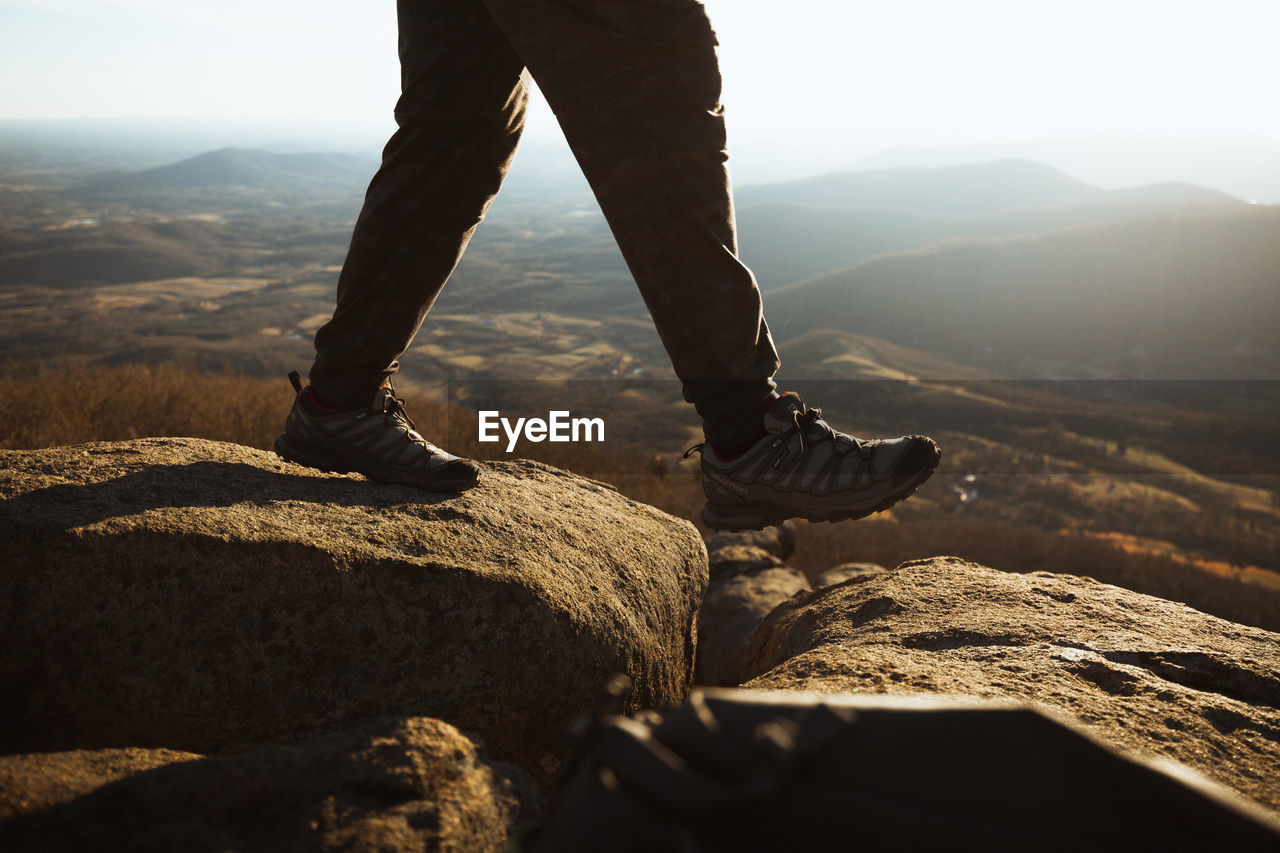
[[635, 86]]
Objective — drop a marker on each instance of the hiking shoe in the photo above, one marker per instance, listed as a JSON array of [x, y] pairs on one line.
[[380, 442], [802, 468]]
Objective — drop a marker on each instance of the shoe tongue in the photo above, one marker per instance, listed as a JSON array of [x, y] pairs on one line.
[[379, 404], [376, 402], [781, 414]]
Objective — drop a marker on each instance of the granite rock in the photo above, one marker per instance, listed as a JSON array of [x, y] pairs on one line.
[[407, 784], [201, 596], [1147, 676]]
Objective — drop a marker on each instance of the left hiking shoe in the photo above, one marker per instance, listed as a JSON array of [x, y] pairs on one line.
[[380, 442], [802, 468]]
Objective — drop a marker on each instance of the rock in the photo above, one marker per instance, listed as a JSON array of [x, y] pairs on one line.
[[33, 783], [734, 607], [200, 596], [780, 540], [732, 559], [735, 770], [388, 785], [845, 571], [1141, 673]]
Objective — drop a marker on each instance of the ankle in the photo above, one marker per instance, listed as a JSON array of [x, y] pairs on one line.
[[734, 436], [319, 403], [728, 451], [325, 402]]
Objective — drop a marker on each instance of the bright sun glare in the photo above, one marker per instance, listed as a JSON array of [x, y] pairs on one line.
[[826, 77]]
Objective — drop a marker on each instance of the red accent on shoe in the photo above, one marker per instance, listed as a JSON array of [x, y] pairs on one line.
[[780, 398], [374, 395]]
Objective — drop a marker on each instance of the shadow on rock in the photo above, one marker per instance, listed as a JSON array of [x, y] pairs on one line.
[[389, 785]]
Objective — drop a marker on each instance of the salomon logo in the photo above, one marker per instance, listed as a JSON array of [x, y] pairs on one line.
[[727, 483]]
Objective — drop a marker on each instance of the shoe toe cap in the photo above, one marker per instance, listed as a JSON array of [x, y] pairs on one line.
[[920, 455], [457, 474]]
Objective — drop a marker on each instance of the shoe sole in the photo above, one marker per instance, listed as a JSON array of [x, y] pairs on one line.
[[757, 516], [381, 474]]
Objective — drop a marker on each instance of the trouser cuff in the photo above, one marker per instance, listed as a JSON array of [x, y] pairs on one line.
[[732, 411]]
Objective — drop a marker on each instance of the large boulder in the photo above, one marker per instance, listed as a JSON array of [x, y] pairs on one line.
[[408, 784], [1141, 673], [200, 596]]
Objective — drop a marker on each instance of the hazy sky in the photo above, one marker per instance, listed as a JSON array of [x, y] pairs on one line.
[[821, 75]]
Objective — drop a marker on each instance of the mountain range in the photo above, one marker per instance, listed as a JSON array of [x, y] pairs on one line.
[[1008, 266], [1245, 166], [982, 189], [240, 167], [1170, 294]]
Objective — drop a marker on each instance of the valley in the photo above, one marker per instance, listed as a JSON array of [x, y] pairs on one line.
[[1100, 367]]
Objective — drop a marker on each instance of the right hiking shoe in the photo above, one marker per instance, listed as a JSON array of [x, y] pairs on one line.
[[802, 468], [380, 442]]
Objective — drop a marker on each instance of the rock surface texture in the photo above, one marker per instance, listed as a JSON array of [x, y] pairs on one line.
[[389, 785], [747, 581], [845, 571], [200, 596], [1142, 673], [37, 782], [779, 540], [733, 609]]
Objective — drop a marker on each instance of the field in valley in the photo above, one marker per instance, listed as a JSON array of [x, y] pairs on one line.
[[141, 307]]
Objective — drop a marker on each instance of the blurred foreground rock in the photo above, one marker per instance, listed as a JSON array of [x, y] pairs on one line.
[[389, 785], [1141, 673], [200, 596], [744, 770]]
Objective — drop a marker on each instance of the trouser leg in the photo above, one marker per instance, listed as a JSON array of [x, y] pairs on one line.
[[460, 116], [635, 85]]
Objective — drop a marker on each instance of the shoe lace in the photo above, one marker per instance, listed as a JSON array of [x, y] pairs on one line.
[[813, 418], [394, 411], [802, 421]]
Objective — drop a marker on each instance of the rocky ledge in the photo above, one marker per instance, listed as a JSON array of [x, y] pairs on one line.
[[1141, 673], [199, 596]]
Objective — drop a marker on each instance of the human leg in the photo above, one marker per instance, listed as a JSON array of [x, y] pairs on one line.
[[460, 116], [636, 88]]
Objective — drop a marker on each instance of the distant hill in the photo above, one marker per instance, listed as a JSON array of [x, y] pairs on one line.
[[814, 226], [786, 242], [833, 354], [1167, 295], [242, 167], [972, 190], [1247, 167], [118, 252], [1168, 194]]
